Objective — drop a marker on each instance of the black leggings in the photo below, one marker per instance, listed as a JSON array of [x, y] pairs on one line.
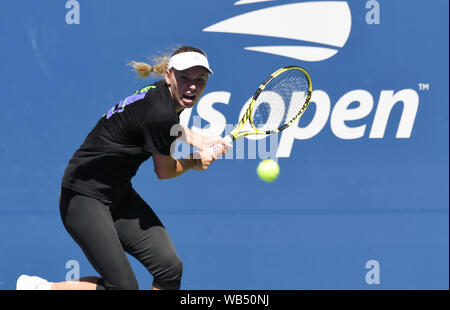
[[106, 232]]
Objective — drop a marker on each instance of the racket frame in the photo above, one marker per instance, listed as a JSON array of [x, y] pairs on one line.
[[236, 132]]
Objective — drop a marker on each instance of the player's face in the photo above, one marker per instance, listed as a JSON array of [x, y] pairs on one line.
[[186, 86]]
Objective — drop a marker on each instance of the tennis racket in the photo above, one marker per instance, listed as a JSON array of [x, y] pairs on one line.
[[277, 103]]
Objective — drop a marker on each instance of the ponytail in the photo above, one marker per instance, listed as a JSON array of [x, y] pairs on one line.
[[159, 68]]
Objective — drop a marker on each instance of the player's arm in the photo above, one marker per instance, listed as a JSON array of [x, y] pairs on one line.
[[167, 167]]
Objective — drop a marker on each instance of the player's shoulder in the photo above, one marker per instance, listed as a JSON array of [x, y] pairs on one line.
[[148, 90], [156, 92], [157, 101]]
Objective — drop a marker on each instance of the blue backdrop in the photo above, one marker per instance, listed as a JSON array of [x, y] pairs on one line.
[[341, 199]]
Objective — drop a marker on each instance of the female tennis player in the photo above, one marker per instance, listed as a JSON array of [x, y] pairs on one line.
[[99, 207]]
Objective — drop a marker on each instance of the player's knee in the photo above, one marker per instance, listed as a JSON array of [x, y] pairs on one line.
[[176, 269], [172, 268], [169, 274]]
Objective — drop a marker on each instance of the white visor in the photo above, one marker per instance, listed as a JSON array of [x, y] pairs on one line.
[[188, 60]]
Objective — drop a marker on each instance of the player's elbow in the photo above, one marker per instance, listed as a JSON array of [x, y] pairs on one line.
[[165, 167], [165, 173], [162, 175]]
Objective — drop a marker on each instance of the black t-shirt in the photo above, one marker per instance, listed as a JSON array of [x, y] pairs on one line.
[[122, 140]]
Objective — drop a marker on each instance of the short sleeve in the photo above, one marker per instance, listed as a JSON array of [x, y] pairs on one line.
[[158, 138]]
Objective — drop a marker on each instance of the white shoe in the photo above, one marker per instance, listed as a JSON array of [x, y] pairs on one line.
[[25, 282]]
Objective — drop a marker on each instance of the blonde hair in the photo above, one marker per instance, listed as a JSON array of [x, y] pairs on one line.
[[160, 63]]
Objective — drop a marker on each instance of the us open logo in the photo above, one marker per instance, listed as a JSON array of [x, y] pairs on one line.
[[319, 29], [309, 31]]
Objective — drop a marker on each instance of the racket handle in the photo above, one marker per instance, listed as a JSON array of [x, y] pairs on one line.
[[229, 139]]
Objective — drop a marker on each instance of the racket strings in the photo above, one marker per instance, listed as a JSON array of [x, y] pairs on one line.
[[281, 100]]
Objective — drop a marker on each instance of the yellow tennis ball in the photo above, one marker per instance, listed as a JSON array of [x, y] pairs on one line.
[[268, 170]]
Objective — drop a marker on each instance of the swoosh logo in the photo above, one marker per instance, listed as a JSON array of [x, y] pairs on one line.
[[326, 23]]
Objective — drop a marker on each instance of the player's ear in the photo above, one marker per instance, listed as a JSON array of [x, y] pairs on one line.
[[167, 76]]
